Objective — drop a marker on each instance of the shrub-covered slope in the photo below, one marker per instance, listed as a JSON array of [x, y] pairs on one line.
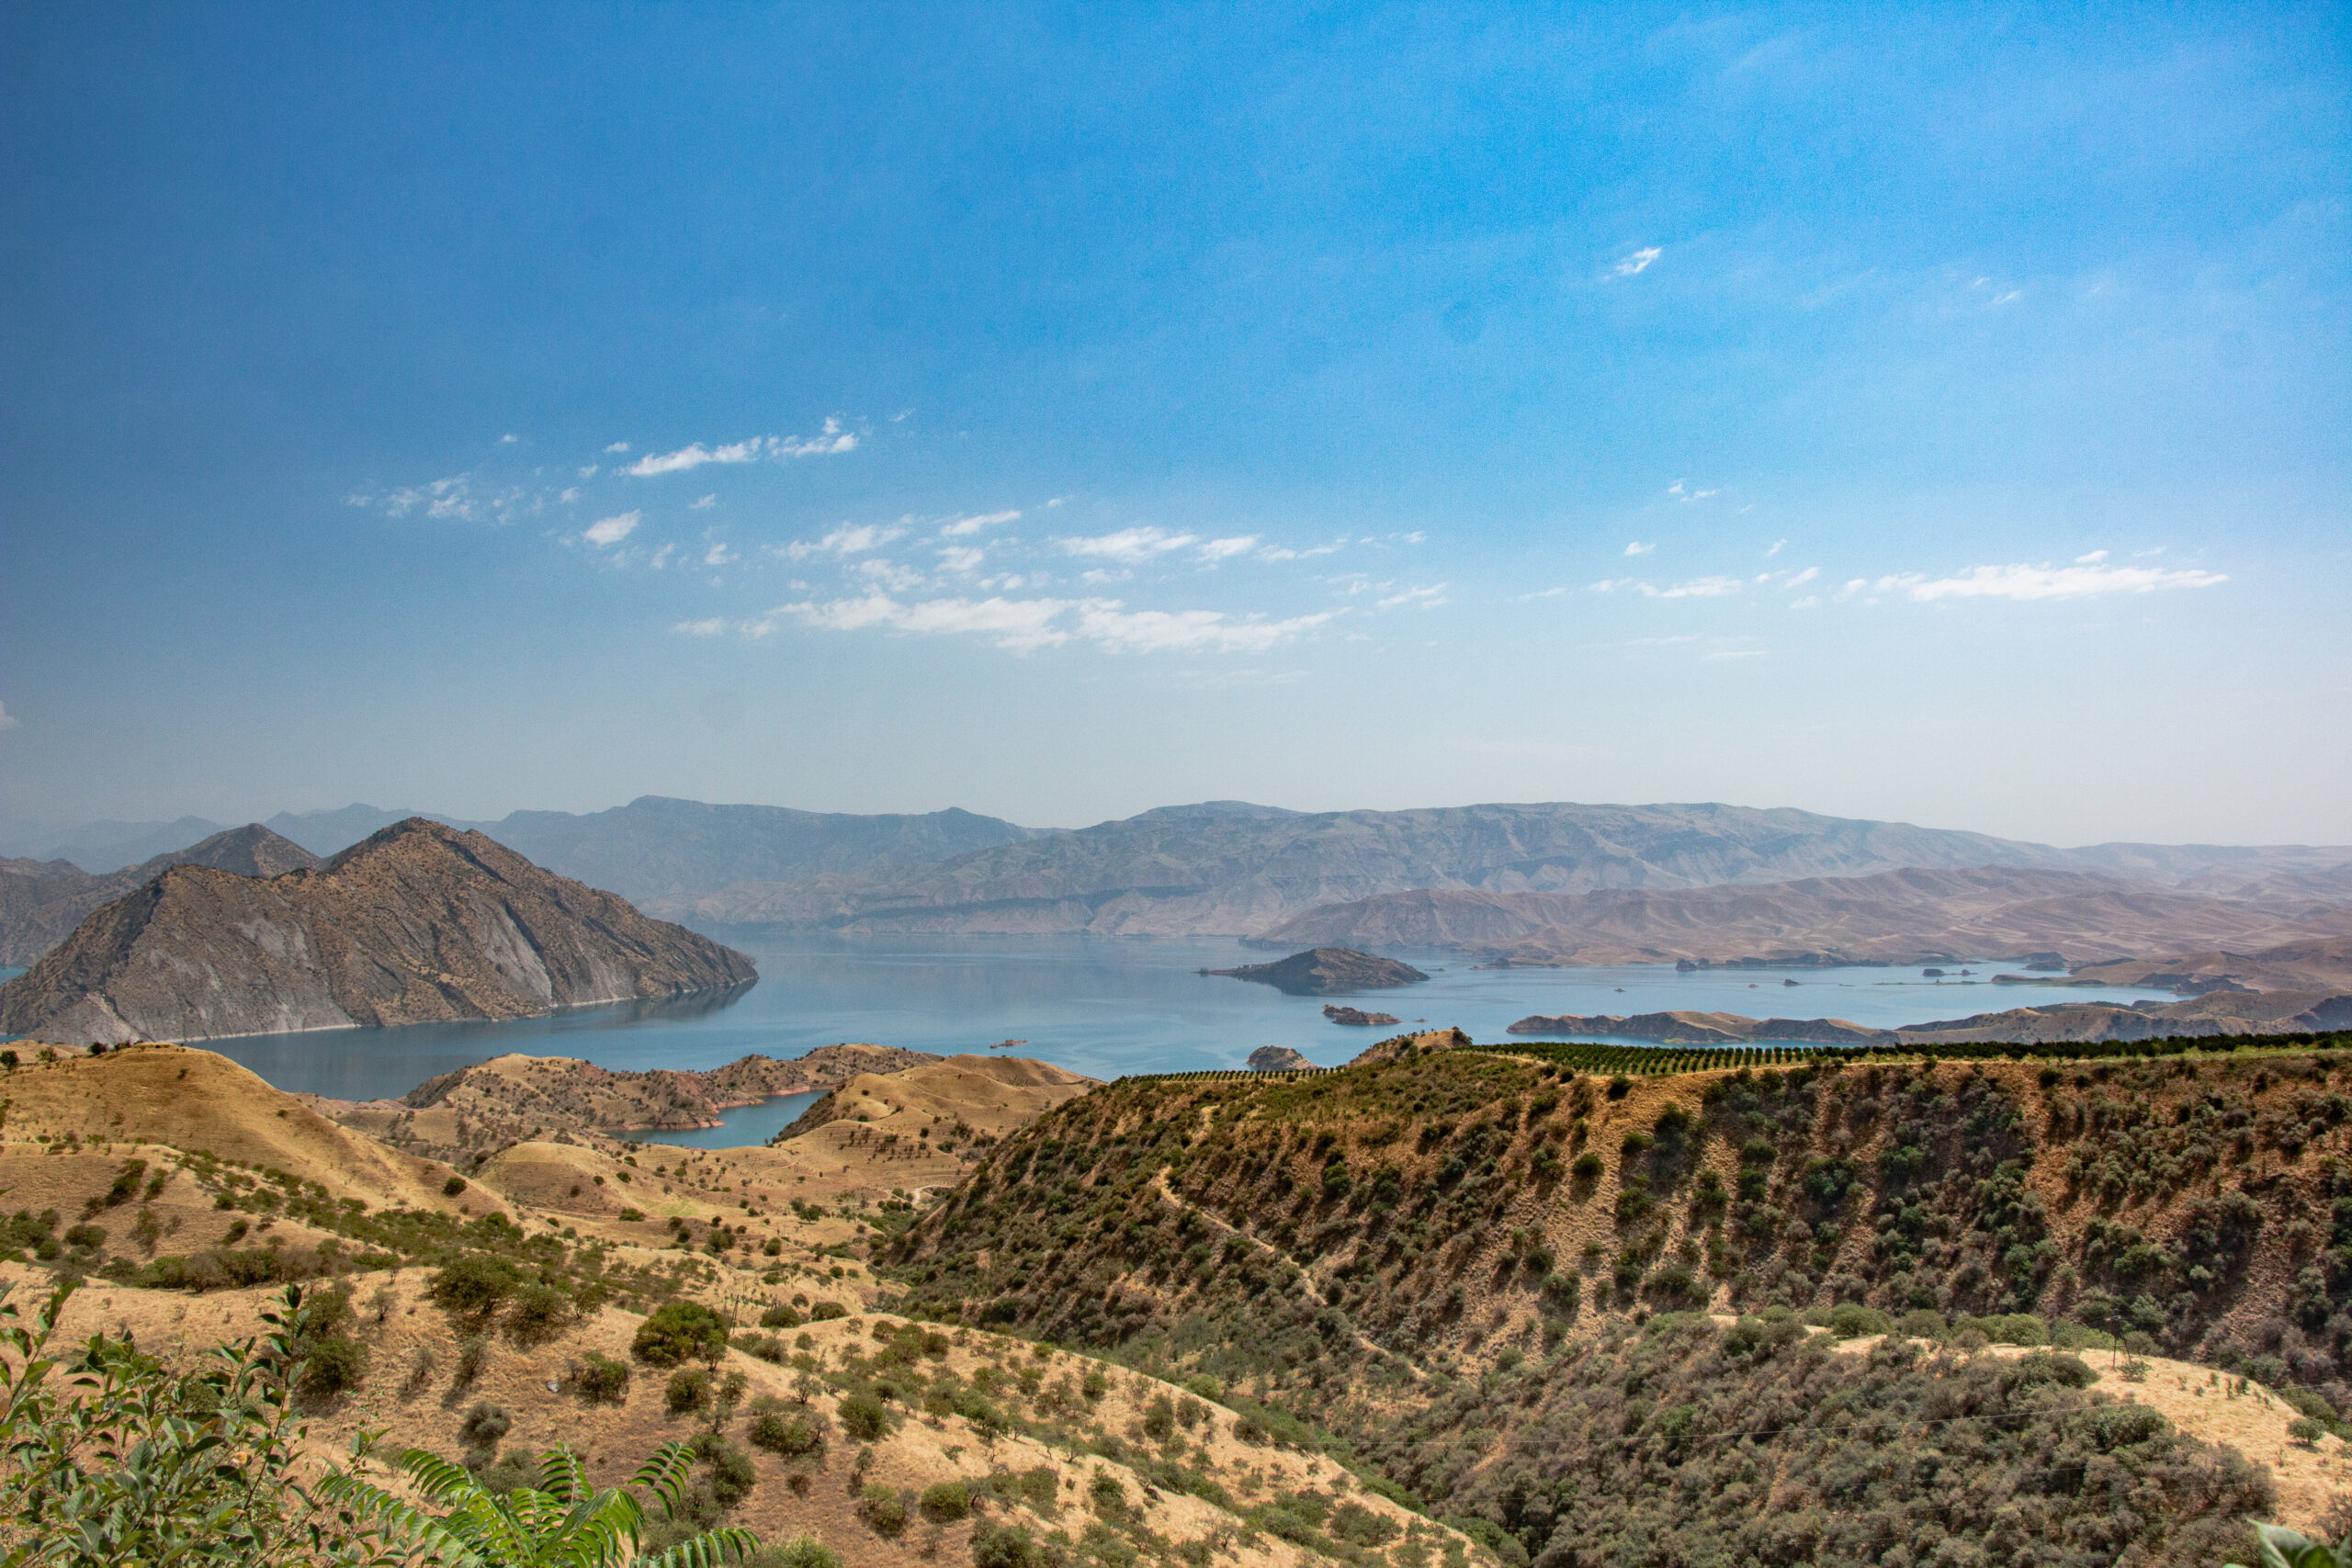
[[1356, 1245]]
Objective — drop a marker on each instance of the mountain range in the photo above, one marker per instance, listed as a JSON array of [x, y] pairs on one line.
[[1535, 882], [42, 901], [419, 923]]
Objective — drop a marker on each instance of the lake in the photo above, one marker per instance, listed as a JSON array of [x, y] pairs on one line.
[[1095, 1007]]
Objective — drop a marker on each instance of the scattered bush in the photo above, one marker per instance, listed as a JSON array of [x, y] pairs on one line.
[[879, 1509], [863, 1417], [602, 1379], [473, 1286], [780, 1316], [1004, 1546], [680, 1331], [945, 1503], [484, 1424], [800, 1552], [793, 1434], [452, 1186], [688, 1391]]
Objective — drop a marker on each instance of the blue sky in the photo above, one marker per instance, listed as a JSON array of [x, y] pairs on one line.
[[1936, 413]]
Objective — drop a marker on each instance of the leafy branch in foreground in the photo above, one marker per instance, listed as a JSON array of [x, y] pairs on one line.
[[2283, 1548], [108, 1456], [561, 1521]]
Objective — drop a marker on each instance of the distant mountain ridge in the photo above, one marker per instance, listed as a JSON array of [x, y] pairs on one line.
[[1911, 915], [42, 901], [1233, 869], [419, 923]]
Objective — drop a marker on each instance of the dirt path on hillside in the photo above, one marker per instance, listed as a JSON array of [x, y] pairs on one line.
[[1307, 1289]]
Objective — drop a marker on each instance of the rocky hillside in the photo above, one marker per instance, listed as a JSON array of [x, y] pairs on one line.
[[1912, 915], [1397, 1250], [1327, 971], [42, 901], [1229, 867], [419, 923], [517, 1099], [2218, 1013]]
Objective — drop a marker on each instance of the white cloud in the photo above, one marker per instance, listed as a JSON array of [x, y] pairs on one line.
[[612, 530], [710, 627], [618, 446], [1775, 551], [1636, 548], [718, 554], [589, 472], [1130, 544], [2091, 559], [705, 505], [1637, 262], [781, 449], [2080, 581], [1610, 584], [569, 495], [1800, 579], [7, 719], [848, 539], [1419, 598], [1810, 602], [1734, 653], [1025, 624], [661, 557], [890, 575], [1697, 588], [832, 439], [1098, 575], [961, 557], [695, 457], [508, 440], [1216, 550], [963, 525]]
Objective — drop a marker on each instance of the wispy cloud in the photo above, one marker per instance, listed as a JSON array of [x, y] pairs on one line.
[[848, 539], [1024, 626], [2088, 577], [780, 448], [1428, 598], [1215, 550], [1636, 548], [963, 525], [961, 557], [454, 499], [618, 446], [7, 719], [1697, 588], [705, 505], [1129, 544], [710, 627], [1636, 263], [1778, 544], [718, 554], [611, 531]]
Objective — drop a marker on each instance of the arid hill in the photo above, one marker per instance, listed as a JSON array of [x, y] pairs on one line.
[[515, 1098], [419, 923], [2325, 964], [1447, 1258], [1325, 971], [2218, 1013], [1911, 915], [42, 901]]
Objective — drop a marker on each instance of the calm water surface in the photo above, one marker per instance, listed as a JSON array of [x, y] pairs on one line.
[[1098, 1007]]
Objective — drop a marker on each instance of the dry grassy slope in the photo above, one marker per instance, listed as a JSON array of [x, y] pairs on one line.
[[194, 1100], [402, 1332], [508, 1099], [2215, 1408], [1123, 1202]]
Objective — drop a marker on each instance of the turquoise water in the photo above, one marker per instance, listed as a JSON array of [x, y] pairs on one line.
[[1098, 1007], [745, 1124]]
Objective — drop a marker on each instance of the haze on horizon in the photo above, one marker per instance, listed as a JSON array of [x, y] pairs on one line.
[[1936, 415]]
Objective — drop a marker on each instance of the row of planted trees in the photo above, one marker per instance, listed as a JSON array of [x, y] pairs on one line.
[[110, 1456]]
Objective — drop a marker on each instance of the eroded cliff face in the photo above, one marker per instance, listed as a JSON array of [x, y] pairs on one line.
[[421, 924]]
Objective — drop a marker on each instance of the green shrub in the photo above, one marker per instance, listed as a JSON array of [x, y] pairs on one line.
[[680, 1331], [473, 1286], [780, 1316], [1004, 1546], [484, 1424], [602, 1379], [825, 1312], [1588, 1167], [688, 1391], [1852, 1320], [537, 1314], [336, 1364], [800, 1552], [452, 1186], [733, 1473], [794, 1434], [2306, 1431], [863, 1417], [879, 1509], [945, 1503]]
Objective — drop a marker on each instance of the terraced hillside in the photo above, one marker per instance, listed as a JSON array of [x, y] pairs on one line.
[[1482, 1270]]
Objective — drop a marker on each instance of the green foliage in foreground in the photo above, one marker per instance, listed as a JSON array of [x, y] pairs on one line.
[[108, 1456], [2283, 1548]]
